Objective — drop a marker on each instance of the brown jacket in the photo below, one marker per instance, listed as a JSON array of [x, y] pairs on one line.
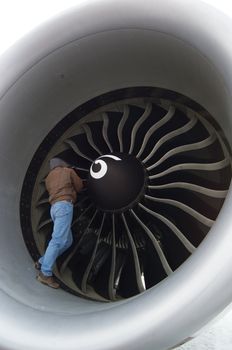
[[63, 184]]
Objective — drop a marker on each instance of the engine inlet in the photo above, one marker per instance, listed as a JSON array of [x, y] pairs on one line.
[[157, 171]]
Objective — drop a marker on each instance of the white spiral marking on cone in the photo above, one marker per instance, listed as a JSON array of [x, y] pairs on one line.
[[103, 170]]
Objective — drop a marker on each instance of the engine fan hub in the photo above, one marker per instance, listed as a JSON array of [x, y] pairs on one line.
[[116, 181]]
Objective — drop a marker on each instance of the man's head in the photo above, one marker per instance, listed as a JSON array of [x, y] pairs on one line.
[[57, 162]]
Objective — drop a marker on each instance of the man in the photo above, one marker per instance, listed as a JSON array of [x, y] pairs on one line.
[[62, 184]]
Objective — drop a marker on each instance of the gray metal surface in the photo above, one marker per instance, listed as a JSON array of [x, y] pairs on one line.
[[46, 75]]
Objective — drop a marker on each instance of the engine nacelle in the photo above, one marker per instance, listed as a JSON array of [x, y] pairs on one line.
[[101, 57]]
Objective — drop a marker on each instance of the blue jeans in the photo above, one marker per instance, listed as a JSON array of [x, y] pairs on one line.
[[61, 214]]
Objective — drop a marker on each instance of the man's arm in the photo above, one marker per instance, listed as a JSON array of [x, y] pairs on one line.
[[76, 180]]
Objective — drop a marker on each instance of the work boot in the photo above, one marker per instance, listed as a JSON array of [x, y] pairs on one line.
[[37, 265], [48, 280]]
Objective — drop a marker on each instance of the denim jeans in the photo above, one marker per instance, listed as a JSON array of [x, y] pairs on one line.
[[61, 214]]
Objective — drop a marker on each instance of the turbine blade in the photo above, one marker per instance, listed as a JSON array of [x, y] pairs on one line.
[[155, 243], [105, 130], [185, 148], [192, 187], [137, 125], [187, 127], [135, 256], [193, 166], [121, 126], [44, 223], [76, 149], [112, 291], [89, 136], [188, 245], [155, 127], [89, 267], [201, 218]]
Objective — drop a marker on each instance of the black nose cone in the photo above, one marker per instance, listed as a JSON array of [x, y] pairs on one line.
[[116, 181]]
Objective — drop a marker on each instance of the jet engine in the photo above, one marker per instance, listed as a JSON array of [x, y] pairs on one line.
[[136, 96]]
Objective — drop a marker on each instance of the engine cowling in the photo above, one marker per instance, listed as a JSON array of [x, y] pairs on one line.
[[111, 59]]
